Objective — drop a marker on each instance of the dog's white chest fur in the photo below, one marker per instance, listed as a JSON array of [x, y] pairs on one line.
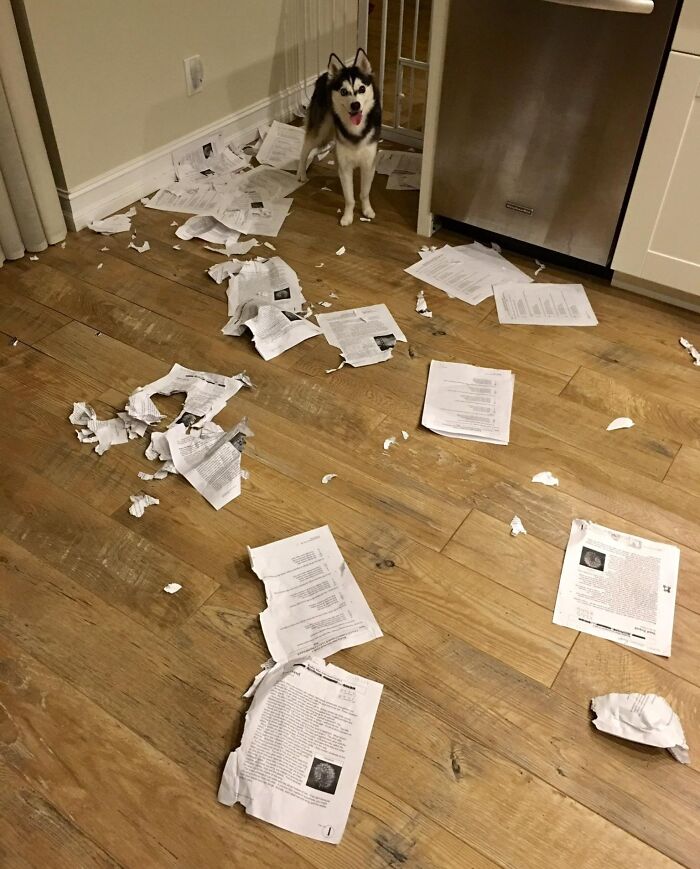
[[352, 157]]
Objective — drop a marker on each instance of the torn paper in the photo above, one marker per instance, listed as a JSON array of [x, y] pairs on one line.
[[405, 435], [196, 158], [363, 335], [140, 502], [305, 738], [422, 305], [207, 228], [241, 248], [271, 282], [546, 478], [390, 442], [468, 272], [314, 605], [340, 251], [172, 588], [543, 305], [115, 224], [222, 271], [620, 422], [516, 526], [141, 248], [326, 478], [644, 718], [540, 267], [619, 587], [276, 331], [210, 459], [206, 393], [465, 401], [692, 350], [105, 433]]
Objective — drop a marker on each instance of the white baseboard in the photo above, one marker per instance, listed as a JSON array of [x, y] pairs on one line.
[[121, 186], [656, 291]]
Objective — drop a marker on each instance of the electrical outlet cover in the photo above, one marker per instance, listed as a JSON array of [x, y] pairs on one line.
[[194, 74]]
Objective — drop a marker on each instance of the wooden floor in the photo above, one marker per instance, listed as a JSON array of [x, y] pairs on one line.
[[119, 703]]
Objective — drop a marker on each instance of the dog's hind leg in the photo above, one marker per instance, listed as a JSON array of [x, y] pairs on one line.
[[367, 167], [309, 144]]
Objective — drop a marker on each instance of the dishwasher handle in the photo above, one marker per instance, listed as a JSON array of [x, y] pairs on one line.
[[640, 7]]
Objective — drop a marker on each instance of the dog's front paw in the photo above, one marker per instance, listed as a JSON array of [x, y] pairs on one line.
[[302, 177], [368, 211], [347, 218]]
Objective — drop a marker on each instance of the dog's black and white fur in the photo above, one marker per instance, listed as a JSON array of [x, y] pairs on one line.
[[346, 105]]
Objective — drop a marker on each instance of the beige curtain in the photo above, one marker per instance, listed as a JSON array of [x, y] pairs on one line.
[[30, 211]]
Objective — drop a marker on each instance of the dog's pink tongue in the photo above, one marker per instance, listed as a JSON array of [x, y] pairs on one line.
[[356, 119]]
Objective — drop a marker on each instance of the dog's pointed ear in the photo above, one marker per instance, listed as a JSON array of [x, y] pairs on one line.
[[362, 62], [335, 65]]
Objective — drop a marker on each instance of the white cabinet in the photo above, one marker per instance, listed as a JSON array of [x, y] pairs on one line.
[[660, 237]]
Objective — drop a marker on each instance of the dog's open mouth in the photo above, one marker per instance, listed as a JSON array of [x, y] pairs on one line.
[[356, 118]]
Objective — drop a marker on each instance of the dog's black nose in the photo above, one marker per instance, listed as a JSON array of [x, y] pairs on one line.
[[355, 107]]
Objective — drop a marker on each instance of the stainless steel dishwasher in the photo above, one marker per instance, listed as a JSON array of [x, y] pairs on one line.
[[542, 114]]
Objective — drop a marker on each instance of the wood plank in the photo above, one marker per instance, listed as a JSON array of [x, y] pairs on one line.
[[33, 832], [23, 318], [100, 762], [670, 417], [49, 447], [101, 554], [32, 377], [684, 472]]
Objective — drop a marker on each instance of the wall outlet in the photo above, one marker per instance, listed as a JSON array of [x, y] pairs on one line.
[[194, 74]]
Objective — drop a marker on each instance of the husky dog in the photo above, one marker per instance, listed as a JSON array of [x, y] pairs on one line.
[[346, 106]]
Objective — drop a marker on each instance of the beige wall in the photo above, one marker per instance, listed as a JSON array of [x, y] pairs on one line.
[[113, 78]]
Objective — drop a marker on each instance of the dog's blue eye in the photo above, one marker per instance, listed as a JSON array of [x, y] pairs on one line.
[[343, 92], [361, 90]]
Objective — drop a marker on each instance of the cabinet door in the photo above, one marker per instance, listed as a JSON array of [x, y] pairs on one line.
[[660, 238]]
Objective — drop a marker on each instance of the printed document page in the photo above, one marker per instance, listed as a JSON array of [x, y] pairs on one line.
[[618, 586], [305, 738], [314, 604], [465, 401]]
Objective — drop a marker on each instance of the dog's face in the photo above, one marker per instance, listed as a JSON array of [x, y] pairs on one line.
[[352, 90]]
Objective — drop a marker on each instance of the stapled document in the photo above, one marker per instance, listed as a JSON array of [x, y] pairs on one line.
[[282, 146], [543, 305], [468, 272], [465, 401], [619, 587]]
